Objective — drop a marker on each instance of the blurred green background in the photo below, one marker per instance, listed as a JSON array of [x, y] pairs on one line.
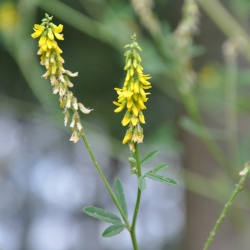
[[200, 124]]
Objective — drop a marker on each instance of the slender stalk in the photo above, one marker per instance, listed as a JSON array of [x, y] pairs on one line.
[[138, 200], [238, 188], [231, 111], [105, 180]]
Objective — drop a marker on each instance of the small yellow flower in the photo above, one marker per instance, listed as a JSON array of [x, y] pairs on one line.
[[38, 30], [58, 29], [133, 96]]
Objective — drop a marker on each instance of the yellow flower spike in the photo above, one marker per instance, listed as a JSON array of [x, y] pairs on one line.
[[59, 77], [132, 95]]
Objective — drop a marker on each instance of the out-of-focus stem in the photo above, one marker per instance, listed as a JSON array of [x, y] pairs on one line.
[[231, 108], [105, 180], [238, 188]]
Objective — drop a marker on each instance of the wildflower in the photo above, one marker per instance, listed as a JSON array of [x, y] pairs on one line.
[[59, 77], [133, 96]]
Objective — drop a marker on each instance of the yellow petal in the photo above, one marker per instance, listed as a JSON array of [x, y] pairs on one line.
[[119, 109], [49, 44], [58, 29], [134, 120], [135, 97], [44, 47], [138, 71], [141, 103], [130, 103], [141, 117], [117, 104], [147, 87], [42, 40], [131, 84], [135, 110], [127, 137], [58, 49], [136, 86], [131, 71], [127, 93], [38, 30], [141, 78], [146, 83], [142, 92], [126, 119], [59, 36], [50, 35]]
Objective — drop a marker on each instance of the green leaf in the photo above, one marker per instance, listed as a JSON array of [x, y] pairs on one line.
[[113, 230], [120, 196], [157, 177], [158, 168], [149, 156], [101, 214], [142, 183]]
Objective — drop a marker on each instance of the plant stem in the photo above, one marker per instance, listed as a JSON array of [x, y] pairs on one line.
[[231, 110], [238, 188], [137, 205], [105, 180]]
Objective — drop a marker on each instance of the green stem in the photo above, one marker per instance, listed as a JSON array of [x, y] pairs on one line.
[[238, 188], [105, 180], [231, 104], [138, 200]]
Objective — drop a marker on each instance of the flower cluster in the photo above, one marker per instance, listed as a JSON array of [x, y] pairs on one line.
[[132, 96], [59, 77]]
